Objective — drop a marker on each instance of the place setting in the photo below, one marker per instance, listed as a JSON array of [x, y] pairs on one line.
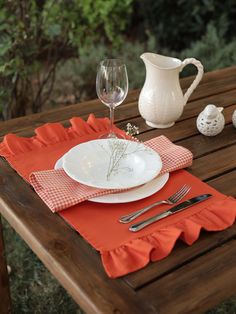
[[118, 161], [130, 200], [115, 161]]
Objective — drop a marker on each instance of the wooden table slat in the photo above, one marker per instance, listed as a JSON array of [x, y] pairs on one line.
[[225, 183], [201, 145], [191, 110], [206, 280], [181, 130], [214, 88], [216, 163], [181, 255], [210, 76]]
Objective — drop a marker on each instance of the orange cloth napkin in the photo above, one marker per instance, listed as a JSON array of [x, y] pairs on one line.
[[121, 251], [59, 191]]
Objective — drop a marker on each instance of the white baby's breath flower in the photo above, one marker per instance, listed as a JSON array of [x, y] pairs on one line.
[[132, 129]]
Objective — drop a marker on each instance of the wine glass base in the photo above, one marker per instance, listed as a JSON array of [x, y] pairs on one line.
[[111, 135]]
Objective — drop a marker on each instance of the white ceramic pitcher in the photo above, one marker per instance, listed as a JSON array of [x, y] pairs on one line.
[[161, 101]]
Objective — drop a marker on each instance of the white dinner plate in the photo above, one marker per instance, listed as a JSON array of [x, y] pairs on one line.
[[112, 163], [132, 195]]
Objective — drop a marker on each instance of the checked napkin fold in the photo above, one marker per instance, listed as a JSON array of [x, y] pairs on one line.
[[59, 191]]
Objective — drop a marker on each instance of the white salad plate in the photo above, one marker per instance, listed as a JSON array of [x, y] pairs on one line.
[[132, 195], [112, 163]]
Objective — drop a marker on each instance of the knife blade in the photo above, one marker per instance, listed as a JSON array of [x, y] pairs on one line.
[[142, 224]]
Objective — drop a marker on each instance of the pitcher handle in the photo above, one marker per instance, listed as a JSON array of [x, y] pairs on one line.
[[198, 78]]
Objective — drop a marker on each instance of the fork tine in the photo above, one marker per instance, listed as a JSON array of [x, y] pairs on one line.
[[182, 194], [172, 197]]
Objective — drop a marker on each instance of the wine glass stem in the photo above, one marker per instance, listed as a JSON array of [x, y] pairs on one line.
[[111, 119]]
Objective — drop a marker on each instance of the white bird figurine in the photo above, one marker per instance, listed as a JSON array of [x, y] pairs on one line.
[[211, 121], [234, 118]]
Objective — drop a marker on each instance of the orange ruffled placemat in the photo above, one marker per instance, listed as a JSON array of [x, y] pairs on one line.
[[121, 250]]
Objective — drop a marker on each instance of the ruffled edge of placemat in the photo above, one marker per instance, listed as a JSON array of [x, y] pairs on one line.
[[53, 133], [137, 253]]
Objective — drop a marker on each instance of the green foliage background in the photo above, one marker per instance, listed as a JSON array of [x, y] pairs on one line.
[[36, 34], [43, 42], [177, 24]]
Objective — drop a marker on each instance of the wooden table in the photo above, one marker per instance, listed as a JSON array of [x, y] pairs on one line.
[[192, 279]]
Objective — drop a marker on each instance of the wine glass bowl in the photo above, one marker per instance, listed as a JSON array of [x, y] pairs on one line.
[[112, 88]]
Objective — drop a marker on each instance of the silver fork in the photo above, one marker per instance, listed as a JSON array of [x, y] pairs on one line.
[[176, 197]]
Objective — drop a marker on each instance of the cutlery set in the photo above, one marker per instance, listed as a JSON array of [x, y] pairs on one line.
[[173, 199]]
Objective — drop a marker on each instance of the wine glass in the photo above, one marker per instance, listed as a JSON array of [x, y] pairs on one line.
[[112, 88]]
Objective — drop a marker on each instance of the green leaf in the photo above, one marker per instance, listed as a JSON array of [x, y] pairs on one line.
[[3, 68], [54, 30], [4, 47]]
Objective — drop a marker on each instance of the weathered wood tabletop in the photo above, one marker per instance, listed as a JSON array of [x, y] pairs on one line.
[[193, 278]]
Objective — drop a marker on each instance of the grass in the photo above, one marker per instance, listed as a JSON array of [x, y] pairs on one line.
[[35, 290]]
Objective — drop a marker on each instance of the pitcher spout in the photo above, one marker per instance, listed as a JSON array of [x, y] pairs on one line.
[[143, 56], [146, 57], [159, 61]]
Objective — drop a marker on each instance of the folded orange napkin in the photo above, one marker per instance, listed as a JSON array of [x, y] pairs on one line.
[[59, 191]]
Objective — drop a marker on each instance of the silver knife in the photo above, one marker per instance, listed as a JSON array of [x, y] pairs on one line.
[[142, 224]]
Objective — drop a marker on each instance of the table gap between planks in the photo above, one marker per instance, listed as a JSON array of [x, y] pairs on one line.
[[191, 279]]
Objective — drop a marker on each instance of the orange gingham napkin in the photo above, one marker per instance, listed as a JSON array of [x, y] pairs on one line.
[[59, 191]]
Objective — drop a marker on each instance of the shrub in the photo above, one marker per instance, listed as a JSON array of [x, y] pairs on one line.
[[212, 50], [176, 24], [35, 35], [78, 75]]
